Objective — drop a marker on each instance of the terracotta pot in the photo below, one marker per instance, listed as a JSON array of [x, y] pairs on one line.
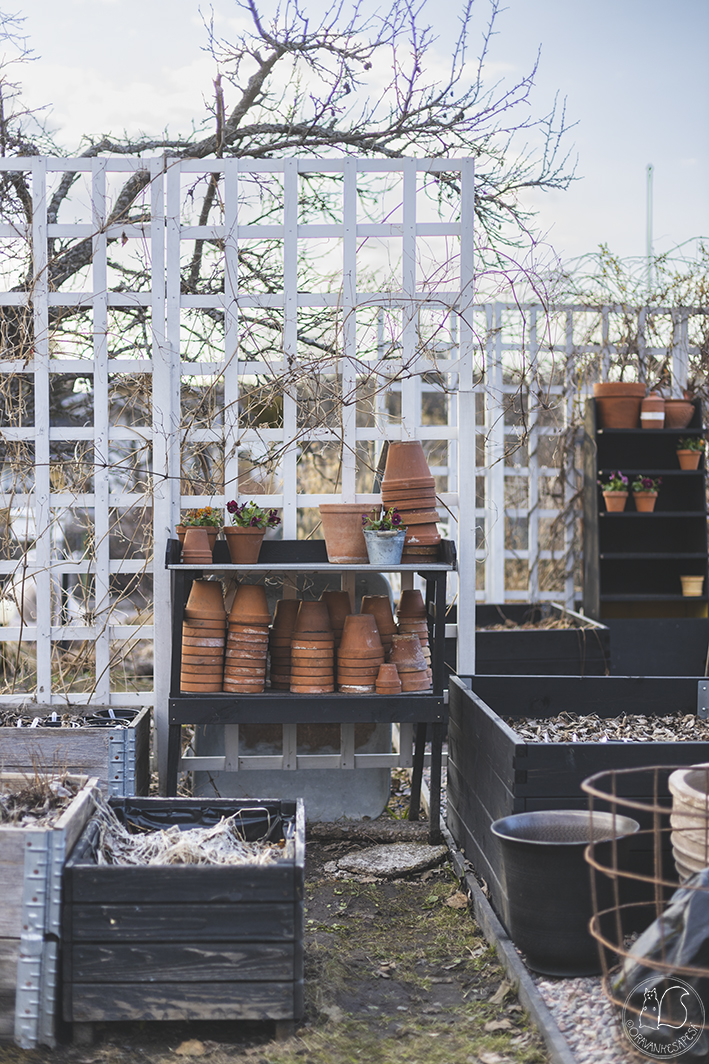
[[316, 675], [243, 654], [425, 535], [618, 404], [200, 659], [419, 517], [411, 605], [200, 622], [689, 459], [250, 606], [360, 636], [342, 529], [252, 638], [212, 533], [406, 653], [243, 689], [313, 618], [388, 674], [406, 461], [678, 413], [285, 615], [418, 496], [244, 544], [380, 608], [645, 501], [410, 683], [193, 632], [339, 606], [349, 689], [692, 586], [615, 501], [652, 411], [196, 549], [192, 641], [206, 600], [321, 645], [311, 689], [200, 688]]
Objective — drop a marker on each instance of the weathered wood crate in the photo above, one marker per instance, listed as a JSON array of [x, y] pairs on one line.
[[493, 772], [119, 757], [31, 862], [186, 942]]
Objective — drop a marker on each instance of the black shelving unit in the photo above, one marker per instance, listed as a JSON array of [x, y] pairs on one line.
[[276, 707], [633, 561]]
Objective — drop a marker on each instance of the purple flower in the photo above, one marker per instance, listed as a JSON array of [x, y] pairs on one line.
[[232, 507]]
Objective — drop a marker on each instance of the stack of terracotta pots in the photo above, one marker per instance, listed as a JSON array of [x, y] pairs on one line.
[[339, 606], [412, 619], [203, 635], [280, 641], [196, 549], [406, 654], [408, 485], [380, 608], [312, 651], [247, 641], [360, 655], [388, 682]]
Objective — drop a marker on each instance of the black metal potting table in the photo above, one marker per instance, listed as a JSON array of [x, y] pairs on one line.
[[297, 557]]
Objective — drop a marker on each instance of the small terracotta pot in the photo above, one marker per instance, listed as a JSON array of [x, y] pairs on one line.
[[652, 411], [618, 404], [212, 533], [285, 615], [388, 674], [645, 501], [250, 606], [615, 501], [244, 544], [196, 549], [342, 529], [689, 459], [206, 599], [406, 461], [692, 586], [678, 413], [339, 606], [411, 605]]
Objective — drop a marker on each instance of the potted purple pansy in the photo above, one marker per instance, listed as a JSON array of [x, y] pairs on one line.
[[248, 527]]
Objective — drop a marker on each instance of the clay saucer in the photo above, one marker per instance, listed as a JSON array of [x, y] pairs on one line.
[[361, 689], [318, 676], [244, 689], [260, 631], [195, 672], [248, 637], [246, 671], [202, 663], [325, 689], [200, 688], [196, 560], [237, 654], [317, 666]]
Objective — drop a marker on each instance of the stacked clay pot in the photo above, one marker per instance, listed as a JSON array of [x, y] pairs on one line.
[[407, 655], [388, 681], [380, 608], [411, 615], [339, 606], [203, 635], [247, 641], [408, 485], [196, 549], [312, 651], [280, 641], [360, 655]]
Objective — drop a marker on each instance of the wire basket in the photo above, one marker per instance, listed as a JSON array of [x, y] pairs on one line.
[[669, 962]]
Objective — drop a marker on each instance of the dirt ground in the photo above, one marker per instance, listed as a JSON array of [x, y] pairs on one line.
[[395, 971]]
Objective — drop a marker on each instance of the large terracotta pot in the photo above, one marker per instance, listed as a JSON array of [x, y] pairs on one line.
[[615, 501], [689, 459], [411, 605], [618, 404], [342, 529], [645, 501], [244, 544], [678, 413]]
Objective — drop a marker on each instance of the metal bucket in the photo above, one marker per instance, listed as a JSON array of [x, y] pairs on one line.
[[548, 885]]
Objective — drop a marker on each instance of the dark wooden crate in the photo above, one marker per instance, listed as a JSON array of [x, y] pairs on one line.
[[582, 650], [493, 772], [186, 942]]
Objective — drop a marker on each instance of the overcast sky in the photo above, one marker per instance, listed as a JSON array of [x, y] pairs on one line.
[[633, 73]]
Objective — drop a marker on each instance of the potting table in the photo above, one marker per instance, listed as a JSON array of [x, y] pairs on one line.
[[423, 710]]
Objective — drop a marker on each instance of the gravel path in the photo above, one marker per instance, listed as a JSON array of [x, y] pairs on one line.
[[586, 1019]]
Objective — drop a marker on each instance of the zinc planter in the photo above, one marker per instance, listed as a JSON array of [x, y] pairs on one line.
[[645, 501], [385, 548], [548, 886], [615, 501]]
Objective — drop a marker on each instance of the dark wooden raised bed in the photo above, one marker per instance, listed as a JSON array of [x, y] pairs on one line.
[[582, 650], [186, 942], [493, 772]]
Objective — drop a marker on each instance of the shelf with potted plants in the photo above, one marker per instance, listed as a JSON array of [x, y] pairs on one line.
[[640, 551]]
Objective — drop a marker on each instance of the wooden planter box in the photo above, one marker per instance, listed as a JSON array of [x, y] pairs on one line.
[[118, 757], [31, 862], [582, 650], [186, 942], [493, 772]]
